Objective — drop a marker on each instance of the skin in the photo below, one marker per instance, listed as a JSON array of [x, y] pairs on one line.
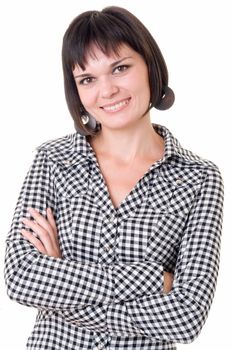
[[115, 90], [46, 230], [109, 81]]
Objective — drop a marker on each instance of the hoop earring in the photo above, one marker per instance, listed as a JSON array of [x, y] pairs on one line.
[[85, 119], [167, 99], [89, 122]]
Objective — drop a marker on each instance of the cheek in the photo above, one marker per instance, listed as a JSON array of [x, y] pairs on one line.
[[87, 97], [140, 86], [142, 92]]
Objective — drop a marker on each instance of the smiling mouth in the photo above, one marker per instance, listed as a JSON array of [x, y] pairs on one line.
[[117, 106]]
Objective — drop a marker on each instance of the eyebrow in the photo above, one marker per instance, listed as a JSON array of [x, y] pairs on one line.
[[115, 63]]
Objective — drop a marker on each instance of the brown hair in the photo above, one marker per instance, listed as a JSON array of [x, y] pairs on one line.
[[108, 29]]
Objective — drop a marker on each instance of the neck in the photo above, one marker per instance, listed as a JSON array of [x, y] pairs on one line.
[[138, 141]]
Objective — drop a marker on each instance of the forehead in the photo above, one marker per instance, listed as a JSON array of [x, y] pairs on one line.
[[96, 57]]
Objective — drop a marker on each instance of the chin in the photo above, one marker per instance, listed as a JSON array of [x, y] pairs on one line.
[[120, 124]]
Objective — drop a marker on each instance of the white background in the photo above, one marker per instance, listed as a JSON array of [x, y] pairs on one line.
[[195, 38]]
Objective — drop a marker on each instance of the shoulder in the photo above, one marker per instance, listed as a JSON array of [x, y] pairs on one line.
[[186, 166], [196, 161], [59, 144], [63, 149], [180, 156], [199, 171], [193, 159]]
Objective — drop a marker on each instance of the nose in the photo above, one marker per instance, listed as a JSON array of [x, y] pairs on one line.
[[108, 88]]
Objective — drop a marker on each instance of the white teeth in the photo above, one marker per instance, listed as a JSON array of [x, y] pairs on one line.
[[116, 106]]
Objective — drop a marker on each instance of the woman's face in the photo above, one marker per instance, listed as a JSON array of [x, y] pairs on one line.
[[114, 89]]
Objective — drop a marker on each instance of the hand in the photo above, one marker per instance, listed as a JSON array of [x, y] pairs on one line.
[[46, 230], [168, 281]]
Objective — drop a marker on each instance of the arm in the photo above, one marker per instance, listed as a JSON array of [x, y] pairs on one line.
[[47, 282], [180, 315], [93, 317]]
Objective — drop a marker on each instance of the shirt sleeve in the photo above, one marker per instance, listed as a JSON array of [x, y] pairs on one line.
[[180, 315], [45, 282]]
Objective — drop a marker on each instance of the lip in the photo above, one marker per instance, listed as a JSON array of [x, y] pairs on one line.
[[120, 104], [115, 102]]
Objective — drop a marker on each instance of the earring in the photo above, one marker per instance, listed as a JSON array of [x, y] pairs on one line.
[[89, 122], [167, 99], [85, 119]]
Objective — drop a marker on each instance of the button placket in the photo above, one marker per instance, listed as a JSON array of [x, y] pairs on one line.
[[108, 247], [111, 219], [107, 241]]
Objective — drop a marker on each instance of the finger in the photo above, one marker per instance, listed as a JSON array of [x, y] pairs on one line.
[[35, 241], [41, 220], [51, 220], [50, 228], [54, 236], [45, 224], [42, 233]]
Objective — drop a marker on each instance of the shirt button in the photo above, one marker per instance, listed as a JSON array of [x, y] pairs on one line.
[[179, 181], [107, 247], [67, 162], [111, 218]]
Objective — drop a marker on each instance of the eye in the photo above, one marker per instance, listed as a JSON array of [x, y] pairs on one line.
[[121, 68], [86, 81]]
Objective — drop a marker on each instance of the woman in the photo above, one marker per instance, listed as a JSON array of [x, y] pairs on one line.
[[106, 216]]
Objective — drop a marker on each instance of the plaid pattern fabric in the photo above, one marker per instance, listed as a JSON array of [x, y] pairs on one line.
[[107, 290]]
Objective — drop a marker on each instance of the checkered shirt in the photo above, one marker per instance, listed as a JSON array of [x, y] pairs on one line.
[[107, 290]]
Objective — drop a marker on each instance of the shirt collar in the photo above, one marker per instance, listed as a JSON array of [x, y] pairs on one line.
[[75, 147], [172, 146]]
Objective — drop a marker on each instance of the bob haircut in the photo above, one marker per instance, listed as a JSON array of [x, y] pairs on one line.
[[108, 29]]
